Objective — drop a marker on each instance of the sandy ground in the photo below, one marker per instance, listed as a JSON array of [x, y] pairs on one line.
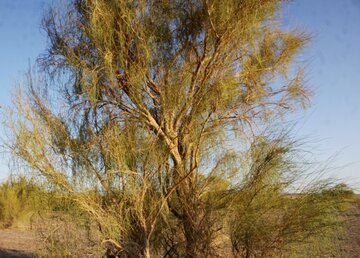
[[17, 243], [351, 244]]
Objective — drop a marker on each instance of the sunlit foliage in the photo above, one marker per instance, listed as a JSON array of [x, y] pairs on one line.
[[149, 95]]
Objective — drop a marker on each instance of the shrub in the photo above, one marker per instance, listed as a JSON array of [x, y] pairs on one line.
[[19, 199]]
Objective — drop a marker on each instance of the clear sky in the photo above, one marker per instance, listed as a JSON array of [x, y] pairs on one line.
[[332, 63], [333, 72], [21, 41]]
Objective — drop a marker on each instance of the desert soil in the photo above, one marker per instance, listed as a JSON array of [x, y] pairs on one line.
[[351, 243], [19, 243]]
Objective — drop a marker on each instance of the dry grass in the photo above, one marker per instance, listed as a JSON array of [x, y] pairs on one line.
[[59, 235]]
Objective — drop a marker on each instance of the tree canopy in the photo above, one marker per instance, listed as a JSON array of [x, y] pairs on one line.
[[149, 95]]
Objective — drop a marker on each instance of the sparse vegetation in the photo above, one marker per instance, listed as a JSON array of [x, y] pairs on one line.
[[19, 200]]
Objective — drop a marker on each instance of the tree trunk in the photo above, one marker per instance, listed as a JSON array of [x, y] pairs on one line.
[[192, 242], [197, 241], [147, 250]]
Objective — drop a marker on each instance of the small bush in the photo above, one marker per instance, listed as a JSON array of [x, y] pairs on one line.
[[19, 199]]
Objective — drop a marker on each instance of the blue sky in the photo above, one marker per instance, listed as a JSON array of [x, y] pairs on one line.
[[21, 41], [332, 63], [333, 71]]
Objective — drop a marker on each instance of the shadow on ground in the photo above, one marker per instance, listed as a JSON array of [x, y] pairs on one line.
[[9, 253]]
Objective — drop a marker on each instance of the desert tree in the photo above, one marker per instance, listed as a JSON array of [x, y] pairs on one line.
[[139, 106]]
